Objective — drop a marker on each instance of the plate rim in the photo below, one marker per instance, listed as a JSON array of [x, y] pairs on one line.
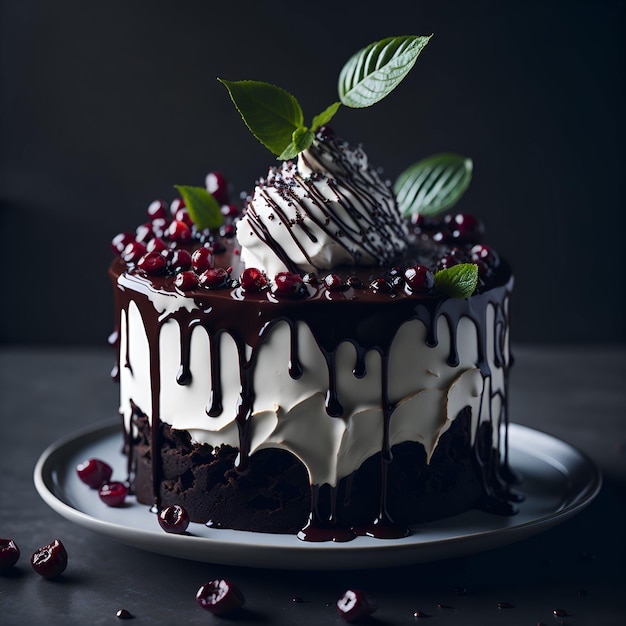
[[397, 552]]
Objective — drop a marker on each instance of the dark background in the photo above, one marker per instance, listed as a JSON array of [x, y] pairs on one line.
[[105, 105]]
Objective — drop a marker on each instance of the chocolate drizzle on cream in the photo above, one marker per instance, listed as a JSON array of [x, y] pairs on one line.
[[249, 320]]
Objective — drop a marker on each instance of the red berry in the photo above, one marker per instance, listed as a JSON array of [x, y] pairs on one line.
[[419, 279], [177, 205], [152, 263], [182, 215], [381, 285], [355, 282], [288, 285], [186, 281], [144, 232], [179, 232], [156, 245], [229, 210], [120, 241], [51, 560], [173, 519], [334, 283], [133, 252], [201, 260], [113, 493], [228, 230], [219, 597], [480, 252], [180, 260], [355, 604], [216, 247], [252, 279], [157, 209], [213, 278], [94, 472], [9, 554], [217, 186], [465, 227]]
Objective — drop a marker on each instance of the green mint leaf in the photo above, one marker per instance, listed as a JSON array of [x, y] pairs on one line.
[[271, 113], [433, 184], [301, 139], [375, 71], [325, 116], [203, 208], [458, 281]]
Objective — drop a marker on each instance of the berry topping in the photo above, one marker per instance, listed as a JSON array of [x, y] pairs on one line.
[[176, 206], [182, 215], [9, 554], [332, 282], [484, 253], [157, 209], [252, 279], [355, 282], [180, 260], [310, 279], [229, 210], [355, 604], [201, 260], [448, 261], [217, 186], [50, 561], [113, 493], [179, 232], [465, 227], [152, 263], [133, 252], [219, 597], [214, 278], [381, 285], [186, 281], [419, 279], [94, 472], [228, 231], [120, 241], [144, 232], [173, 519], [156, 245], [288, 285], [124, 614], [159, 226], [216, 247]]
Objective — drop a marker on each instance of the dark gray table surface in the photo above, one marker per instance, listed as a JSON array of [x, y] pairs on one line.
[[575, 393]]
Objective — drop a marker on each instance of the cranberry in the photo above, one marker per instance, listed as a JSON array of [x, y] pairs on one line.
[[228, 231], [180, 260], [214, 278], [9, 554], [440, 236], [310, 279], [334, 283], [94, 472], [465, 227], [201, 260], [124, 614], [219, 597], [160, 226], [484, 253], [216, 247], [113, 493], [217, 186], [186, 281], [152, 263], [252, 279], [182, 215], [173, 519], [120, 241], [355, 604], [157, 209], [381, 285], [176, 206], [448, 261], [51, 560], [156, 245], [355, 282], [288, 285], [144, 232], [133, 252], [229, 210], [179, 232], [419, 279]]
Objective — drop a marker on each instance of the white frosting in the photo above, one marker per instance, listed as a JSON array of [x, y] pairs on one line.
[[290, 414], [326, 209]]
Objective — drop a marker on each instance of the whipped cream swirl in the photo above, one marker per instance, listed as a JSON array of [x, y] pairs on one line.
[[326, 209]]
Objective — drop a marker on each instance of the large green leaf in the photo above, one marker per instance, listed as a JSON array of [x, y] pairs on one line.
[[375, 71], [433, 184], [203, 208], [271, 113]]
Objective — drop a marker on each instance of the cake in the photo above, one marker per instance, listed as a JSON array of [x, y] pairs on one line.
[[315, 364]]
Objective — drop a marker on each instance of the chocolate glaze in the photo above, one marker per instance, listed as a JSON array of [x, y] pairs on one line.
[[366, 318]]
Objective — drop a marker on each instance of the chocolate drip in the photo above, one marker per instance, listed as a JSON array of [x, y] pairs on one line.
[[295, 368], [184, 372], [215, 408]]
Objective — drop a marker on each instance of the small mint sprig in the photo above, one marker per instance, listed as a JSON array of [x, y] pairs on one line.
[[275, 117], [458, 281], [203, 208], [433, 184]]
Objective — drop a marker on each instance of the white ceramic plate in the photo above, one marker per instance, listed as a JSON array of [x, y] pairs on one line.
[[557, 479]]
